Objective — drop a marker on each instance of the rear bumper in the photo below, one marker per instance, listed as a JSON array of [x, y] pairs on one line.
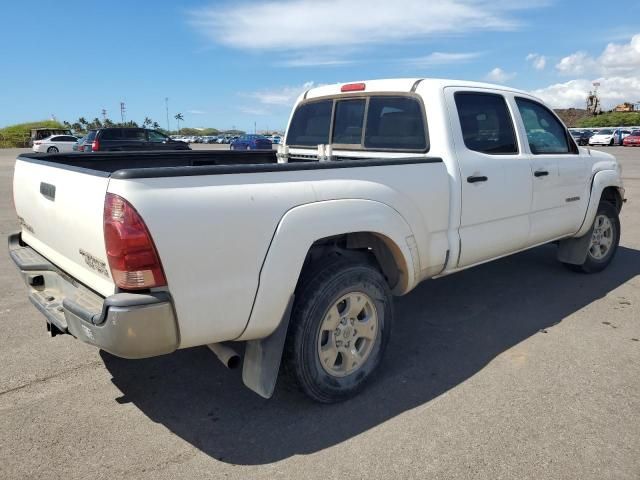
[[128, 325]]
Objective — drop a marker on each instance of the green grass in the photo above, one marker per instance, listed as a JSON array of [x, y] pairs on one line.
[[18, 135], [611, 119]]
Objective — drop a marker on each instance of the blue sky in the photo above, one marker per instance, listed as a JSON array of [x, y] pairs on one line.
[[233, 63]]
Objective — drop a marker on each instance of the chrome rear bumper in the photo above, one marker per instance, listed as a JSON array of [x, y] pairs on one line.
[[128, 325]]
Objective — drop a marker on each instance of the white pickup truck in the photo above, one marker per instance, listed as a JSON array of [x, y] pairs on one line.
[[378, 186]]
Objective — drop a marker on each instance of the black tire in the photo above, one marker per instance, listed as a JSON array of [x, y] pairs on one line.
[[611, 143], [52, 150], [319, 290], [592, 264]]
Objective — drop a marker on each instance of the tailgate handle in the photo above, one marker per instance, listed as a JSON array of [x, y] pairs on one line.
[[48, 191]]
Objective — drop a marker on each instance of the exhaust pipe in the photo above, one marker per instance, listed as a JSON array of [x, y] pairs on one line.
[[227, 355]]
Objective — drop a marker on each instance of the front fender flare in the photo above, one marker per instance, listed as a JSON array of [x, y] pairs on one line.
[[601, 180]]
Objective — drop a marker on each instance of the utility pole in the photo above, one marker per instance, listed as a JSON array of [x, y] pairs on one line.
[[166, 106], [255, 129], [123, 110]]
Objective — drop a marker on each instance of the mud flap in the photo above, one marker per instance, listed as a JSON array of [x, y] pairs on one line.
[[574, 250], [262, 358]]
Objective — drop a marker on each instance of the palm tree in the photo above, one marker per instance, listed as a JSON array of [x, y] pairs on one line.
[[156, 125], [178, 117], [83, 121], [147, 122]]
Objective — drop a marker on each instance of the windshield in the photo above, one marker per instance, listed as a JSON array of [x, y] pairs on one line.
[[605, 132]]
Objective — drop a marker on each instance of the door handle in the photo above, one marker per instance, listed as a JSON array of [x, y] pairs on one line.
[[540, 173], [475, 179]]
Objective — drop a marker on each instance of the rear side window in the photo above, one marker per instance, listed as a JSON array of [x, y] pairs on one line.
[[310, 124], [349, 119], [134, 134], [395, 123], [90, 136], [545, 133], [111, 134], [486, 123]]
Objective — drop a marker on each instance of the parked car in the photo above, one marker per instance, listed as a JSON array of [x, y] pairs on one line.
[[605, 136], [42, 133], [632, 140], [275, 139], [302, 250], [121, 139], [79, 145], [251, 142], [55, 144], [581, 136]]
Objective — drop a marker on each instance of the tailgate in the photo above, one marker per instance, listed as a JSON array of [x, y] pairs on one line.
[[60, 212]]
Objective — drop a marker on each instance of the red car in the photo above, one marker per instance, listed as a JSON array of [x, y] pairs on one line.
[[632, 140]]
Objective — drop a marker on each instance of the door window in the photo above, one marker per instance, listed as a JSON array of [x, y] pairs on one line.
[[134, 134], [486, 124], [545, 133]]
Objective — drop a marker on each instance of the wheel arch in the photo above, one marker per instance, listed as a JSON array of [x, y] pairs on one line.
[[606, 185], [348, 226]]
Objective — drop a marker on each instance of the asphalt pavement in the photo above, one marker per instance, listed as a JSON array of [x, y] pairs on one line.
[[515, 369]]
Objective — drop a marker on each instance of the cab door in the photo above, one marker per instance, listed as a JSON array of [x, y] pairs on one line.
[[496, 180], [560, 174]]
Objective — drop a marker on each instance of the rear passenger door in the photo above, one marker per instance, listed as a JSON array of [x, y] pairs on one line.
[[495, 174]]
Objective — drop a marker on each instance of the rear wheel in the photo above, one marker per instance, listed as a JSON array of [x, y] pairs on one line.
[[340, 326], [52, 150]]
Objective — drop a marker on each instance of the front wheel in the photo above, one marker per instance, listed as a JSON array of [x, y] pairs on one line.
[[605, 238], [340, 327]]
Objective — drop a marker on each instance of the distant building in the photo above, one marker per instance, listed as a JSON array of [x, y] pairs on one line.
[[625, 107]]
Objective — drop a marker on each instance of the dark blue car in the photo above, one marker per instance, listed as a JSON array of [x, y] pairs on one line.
[[251, 142]]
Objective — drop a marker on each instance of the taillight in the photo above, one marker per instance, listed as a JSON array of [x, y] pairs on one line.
[[132, 256], [95, 145]]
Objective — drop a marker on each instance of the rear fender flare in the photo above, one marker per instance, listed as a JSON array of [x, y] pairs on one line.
[[296, 232]]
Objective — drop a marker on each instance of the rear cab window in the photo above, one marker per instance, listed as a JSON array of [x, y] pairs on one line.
[[365, 122]]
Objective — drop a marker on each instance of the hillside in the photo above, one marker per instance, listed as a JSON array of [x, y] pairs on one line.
[[572, 116], [18, 135]]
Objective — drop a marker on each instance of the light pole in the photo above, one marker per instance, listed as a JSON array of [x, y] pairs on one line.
[[166, 106]]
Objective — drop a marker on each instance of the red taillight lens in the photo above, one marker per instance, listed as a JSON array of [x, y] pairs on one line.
[[353, 87], [95, 146], [132, 256]]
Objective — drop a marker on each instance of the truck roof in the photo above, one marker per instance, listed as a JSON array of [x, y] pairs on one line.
[[403, 85]]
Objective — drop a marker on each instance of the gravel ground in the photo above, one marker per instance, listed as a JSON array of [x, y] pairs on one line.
[[514, 369]]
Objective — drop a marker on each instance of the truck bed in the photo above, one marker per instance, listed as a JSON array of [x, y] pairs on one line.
[[126, 165], [110, 162]]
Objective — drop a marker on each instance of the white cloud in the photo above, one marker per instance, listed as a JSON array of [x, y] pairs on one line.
[[283, 96], [254, 111], [537, 61], [612, 91], [313, 61], [617, 69], [616, 59], [299, 25], [442, 58], [577, 63], [498, 75]]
